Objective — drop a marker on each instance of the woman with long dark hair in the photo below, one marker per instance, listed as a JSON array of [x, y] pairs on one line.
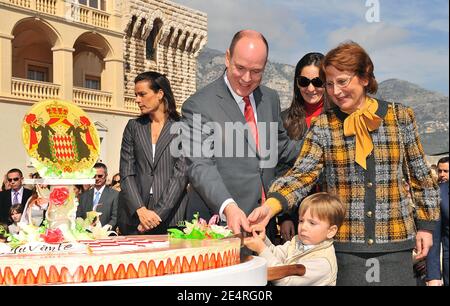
[[308, 102], [153, 182]]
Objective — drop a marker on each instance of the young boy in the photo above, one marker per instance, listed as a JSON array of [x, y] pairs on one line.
[[320, 216]]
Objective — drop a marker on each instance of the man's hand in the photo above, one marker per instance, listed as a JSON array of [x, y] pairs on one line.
[[434, 282], [424, 241], [287, 230], [260, 215], [148, 218], [236, 218]]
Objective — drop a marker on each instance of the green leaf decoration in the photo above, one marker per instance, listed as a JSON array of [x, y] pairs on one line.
[[176, 233]]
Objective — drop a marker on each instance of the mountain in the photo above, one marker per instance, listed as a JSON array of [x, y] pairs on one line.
[[431, 108]]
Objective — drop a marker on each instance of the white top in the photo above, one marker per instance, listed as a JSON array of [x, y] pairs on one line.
[[36, 214]]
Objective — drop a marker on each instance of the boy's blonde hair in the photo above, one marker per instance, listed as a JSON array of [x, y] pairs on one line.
[[324, 206]]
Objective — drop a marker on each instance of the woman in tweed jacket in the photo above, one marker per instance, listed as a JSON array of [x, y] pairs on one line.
[[360, 146]]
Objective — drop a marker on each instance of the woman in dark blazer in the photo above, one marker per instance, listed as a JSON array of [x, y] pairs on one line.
[[153, 180]]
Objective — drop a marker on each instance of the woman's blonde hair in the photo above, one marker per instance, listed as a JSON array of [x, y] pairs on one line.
[[325, 206]]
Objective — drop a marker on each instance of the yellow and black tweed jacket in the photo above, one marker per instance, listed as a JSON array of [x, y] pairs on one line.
[[379, 216]]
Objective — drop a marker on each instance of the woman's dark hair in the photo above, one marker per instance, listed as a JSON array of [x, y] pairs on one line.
[[157, 81], [295, 122]]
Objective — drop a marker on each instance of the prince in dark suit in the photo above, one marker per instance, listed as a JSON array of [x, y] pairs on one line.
[[227, 182], [153, 181], [101, 198], [17, 194]]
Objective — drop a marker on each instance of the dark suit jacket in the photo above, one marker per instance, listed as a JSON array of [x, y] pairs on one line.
[[5, 203], [109, 200], [440, 236], [139, 172], [218, 178]]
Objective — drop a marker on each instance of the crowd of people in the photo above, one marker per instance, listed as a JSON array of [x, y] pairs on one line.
[[334, 200], [23, 203]]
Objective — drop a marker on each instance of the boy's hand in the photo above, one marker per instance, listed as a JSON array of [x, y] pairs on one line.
[[255, 243], [259, 230]]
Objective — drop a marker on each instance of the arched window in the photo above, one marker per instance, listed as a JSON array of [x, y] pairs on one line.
[[152, 40]]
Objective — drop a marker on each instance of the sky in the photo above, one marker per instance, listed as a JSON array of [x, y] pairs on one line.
[[406, 39]]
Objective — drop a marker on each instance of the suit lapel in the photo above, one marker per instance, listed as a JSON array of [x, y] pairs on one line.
[[102, 200], [89, 206], [264, 116], [163, 141], [146, 140], [231, 108]]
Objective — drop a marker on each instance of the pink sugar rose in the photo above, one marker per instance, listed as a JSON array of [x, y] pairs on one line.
[[59, 195], [53, 236]]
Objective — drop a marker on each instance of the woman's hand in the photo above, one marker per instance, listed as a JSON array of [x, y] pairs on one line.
[[424, 241], [260, 215], [148, 218]]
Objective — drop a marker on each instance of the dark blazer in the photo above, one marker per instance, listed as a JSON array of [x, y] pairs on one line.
[[440, 236], [218, 178], [5, 203], [139, 172], [109, 200]]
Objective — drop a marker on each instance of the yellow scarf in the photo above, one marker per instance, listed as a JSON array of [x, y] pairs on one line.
[[360, 123]]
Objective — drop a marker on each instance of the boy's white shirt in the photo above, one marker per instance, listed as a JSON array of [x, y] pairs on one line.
[[317, 269]]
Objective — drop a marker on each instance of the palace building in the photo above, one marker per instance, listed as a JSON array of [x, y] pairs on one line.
[[89, 52]]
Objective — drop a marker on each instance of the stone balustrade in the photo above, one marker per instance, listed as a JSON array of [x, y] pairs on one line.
[[70, 10], [34, 90], [92, 98], [130, 104]]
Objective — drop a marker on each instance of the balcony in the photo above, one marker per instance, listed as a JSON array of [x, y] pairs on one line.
[[30, 91], [68, 10], [89, 15], [92, 98], [44, 6], [130, 104], [34, 90]]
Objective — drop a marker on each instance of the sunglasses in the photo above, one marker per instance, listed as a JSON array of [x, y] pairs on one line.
[[304, 82], [113, 182], [15, 179], [98, 176]]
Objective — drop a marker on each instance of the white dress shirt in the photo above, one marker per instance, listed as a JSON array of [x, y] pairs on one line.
[[99, 196], [19, 196]]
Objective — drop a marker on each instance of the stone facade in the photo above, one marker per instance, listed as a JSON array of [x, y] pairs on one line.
[[177, 34], [90, 54]]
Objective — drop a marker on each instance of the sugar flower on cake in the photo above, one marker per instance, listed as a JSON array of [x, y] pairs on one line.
[[59, 196], [53, 236]]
